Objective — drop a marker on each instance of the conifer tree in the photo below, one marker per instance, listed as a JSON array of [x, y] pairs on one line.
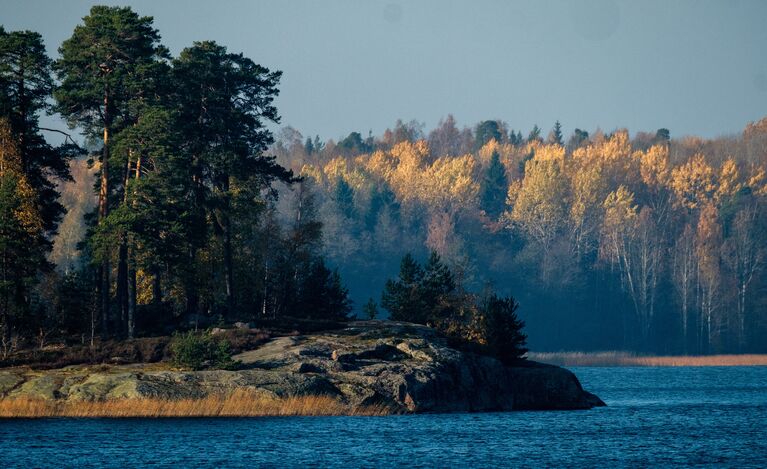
[[494, 187], [103, 68], [20, 227]]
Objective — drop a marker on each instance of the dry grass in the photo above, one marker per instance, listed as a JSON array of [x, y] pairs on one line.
[[241, 403], [629, 359]]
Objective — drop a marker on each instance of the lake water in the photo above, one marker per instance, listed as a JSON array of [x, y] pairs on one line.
[[655, 417]]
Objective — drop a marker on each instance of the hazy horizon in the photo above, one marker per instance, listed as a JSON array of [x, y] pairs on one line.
[[695, 68]]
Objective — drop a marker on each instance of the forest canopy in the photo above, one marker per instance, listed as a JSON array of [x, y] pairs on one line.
[[184, 210], [608, 241]]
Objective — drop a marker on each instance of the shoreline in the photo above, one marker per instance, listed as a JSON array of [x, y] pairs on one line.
[[240, 403], [617, 359]]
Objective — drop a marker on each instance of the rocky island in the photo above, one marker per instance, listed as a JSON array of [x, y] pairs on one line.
[[390, 366]]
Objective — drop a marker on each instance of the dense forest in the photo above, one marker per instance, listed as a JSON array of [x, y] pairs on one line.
[[609, 242], [180, 209], [174, 215]]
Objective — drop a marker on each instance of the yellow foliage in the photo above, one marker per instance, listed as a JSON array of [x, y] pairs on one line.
[[339, 168], [620, 211], [506, 152], [614, 156], [654, 166], [407, 178], [540, 203], [588, 186], [313, 172], [757, 180], [693, 182], [729, 181], [451, 183], [26, 213], [382, 165]]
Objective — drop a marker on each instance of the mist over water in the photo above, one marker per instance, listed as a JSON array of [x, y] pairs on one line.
[[655, 417]]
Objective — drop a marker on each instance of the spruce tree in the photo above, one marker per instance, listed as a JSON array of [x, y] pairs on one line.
[[494, 187], [555, 137], [344, 197], [403, 297]]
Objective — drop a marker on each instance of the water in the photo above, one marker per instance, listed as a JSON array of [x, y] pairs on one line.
[[655, 417]]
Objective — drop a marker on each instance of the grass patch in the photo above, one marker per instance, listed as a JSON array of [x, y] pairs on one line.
[[241, 403], [617, 358]]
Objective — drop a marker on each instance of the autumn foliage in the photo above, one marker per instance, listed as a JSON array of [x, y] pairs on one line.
[[646, 243]]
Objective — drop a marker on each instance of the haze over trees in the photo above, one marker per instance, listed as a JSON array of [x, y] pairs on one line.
[[609, 242], [200, 215]]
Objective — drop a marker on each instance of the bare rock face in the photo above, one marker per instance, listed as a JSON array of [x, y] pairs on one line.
[[407, 367]]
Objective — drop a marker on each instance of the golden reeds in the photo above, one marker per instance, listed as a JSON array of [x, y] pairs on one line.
[[241, 403], [629, 359]]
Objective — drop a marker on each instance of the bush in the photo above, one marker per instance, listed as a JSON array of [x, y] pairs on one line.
[[200, 350]]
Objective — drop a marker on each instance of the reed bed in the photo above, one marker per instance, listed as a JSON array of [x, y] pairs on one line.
[[241, 403], [628, 359]]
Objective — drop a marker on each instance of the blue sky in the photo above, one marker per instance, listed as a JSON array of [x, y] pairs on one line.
[[696, 67]]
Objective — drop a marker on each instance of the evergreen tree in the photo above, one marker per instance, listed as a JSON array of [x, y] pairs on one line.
[[309, 146], [26, 85], [420, 294], [501, 329], [370, 309], [353, 143], [403, 297], [437, 289], [20, 226], [344, 197], [486, 131], [534, 135], [555, 137], [663, 136], [107, 64], [322, 295], [224, 102], [494, 187], [577, 139]]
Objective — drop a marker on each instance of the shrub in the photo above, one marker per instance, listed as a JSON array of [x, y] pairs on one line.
[[200, 350]]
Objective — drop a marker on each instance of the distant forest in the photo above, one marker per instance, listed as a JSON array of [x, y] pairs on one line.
[[182, 209], [648, 243]]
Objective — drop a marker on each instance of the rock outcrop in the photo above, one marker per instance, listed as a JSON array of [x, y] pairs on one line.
[[403, 366]]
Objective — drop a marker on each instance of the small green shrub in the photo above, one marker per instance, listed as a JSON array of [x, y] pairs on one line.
[[196, 351]]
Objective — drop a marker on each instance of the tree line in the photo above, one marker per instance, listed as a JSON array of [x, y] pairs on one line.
[[610, 242], [186, 229]]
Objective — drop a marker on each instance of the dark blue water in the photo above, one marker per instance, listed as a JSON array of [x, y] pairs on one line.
[[655, 417]]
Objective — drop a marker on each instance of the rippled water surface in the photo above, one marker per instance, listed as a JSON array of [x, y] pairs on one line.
[[655, 417]]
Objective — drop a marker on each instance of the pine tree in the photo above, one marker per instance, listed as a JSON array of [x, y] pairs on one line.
[[105, 65], [494, 187], [224, 101], [486, 131], [20, 227], [26, 84]]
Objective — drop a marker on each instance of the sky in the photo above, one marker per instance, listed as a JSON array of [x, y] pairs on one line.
[[696, 67]]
